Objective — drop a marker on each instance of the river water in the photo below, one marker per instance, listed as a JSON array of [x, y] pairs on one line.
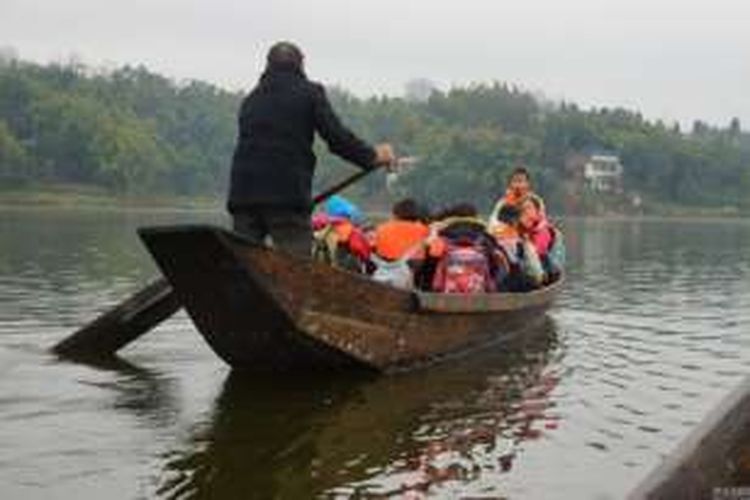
[[652, 330]]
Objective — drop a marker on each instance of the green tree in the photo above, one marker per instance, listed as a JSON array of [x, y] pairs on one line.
[[13, 158]]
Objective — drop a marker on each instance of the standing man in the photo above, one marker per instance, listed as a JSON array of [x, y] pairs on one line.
[[273, 163]]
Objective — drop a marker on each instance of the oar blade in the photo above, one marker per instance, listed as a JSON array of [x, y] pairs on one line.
[[123, 323]]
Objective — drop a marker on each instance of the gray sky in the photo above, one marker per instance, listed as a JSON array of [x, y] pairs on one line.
[[670, 59]]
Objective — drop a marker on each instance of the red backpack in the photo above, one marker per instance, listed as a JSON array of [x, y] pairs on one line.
[[464, 268]]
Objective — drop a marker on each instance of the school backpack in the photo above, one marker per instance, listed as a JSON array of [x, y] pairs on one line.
[[463, 268]]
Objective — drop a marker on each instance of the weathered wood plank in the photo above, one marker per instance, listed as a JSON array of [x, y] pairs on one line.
[[698, 464]]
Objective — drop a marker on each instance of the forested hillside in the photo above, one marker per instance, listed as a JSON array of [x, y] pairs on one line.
[[132, 131], [126, 130]]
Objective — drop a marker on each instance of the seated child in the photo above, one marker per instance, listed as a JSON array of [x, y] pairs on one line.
[[338, 237], [398, 245], [547, 240], [534, 225], [519, 188], [525, 269], [396, 237]]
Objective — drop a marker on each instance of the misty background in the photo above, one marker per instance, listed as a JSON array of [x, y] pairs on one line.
[[615, 107], [675, 60]]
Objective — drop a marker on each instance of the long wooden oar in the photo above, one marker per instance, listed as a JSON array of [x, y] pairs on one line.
[[142, 311], [123, 323], [339, 187]]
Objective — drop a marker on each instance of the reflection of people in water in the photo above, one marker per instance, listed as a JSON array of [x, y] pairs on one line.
[[342, 435], [516, 408]]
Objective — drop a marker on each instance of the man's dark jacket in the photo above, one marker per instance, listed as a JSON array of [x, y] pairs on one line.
[[273, 161]]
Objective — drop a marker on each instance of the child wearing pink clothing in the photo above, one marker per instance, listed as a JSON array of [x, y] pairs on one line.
[[535, 225]]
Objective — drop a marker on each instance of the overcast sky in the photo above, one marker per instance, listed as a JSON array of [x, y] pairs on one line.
[[670, 59]]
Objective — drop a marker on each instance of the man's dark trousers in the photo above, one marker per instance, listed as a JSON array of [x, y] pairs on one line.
[[289, 228]]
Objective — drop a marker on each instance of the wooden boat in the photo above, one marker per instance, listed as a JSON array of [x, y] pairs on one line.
[[265, 310]]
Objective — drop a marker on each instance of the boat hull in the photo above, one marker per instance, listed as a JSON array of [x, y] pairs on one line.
[[265, 310]]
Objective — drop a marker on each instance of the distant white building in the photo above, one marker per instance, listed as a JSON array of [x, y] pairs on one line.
[[603, 173]]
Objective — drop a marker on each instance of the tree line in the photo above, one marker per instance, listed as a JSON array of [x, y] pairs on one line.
[[130, 130]]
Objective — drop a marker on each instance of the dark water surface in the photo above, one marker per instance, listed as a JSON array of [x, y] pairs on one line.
[[652, 330]]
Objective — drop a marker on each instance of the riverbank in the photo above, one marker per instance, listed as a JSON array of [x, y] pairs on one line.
[[72, 196], [90, 198], [685, 211], [628, 206]]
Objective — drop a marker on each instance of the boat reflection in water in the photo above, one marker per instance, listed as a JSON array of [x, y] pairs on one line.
[[458, 423]]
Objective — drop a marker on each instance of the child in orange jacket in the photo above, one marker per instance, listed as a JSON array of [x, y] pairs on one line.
[[519, 189]]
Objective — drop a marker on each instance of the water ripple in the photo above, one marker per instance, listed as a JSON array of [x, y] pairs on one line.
[[649, 334]]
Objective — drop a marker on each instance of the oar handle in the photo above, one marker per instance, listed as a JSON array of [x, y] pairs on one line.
[[403, 162], [341, 185]]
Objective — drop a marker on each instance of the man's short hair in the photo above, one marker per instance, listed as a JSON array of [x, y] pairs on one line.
[[284, 55]]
